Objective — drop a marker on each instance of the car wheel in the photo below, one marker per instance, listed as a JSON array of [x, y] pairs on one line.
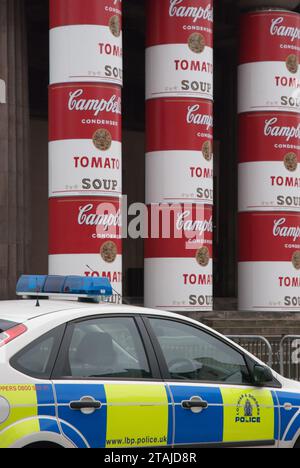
[[297, 444], [43, 445]]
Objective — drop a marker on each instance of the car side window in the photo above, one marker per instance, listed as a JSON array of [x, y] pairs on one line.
[[193, 354], [108, 347], [38, 358]]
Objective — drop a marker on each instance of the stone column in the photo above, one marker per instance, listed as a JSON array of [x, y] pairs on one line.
[[269, 157], [14, 142], [179, 155], [85, 139]]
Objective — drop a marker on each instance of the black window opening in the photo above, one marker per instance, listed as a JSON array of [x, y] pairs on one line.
[[103, 348], [6, 325], [37, 359], [191, 354]]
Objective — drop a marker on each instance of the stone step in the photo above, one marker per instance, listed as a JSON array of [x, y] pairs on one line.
[[251, 323], [257, 331], [234, 315]]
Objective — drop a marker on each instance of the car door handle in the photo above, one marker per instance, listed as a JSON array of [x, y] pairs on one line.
[[194, 404], [85, 405]]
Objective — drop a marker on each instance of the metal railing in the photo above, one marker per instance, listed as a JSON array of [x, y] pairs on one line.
[[257, 345], [289, 351], [280, 353]]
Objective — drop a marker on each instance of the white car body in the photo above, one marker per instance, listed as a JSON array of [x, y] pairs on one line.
[[21, 427]]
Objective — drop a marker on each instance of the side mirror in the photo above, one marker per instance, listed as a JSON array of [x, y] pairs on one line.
[[262, 376]]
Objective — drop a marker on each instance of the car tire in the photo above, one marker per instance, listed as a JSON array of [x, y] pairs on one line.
[[297, 444], [43, 445]]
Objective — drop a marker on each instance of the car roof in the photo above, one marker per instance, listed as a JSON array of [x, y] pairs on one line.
[[23, 310]]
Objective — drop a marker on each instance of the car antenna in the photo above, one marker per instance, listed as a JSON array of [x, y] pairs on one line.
[[37, 294], [116, 292], [121, 297]]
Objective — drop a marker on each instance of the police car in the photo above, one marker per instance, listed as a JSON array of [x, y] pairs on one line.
[[80, 374]]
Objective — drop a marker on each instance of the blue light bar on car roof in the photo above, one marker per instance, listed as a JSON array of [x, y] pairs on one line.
[[31, 284], [90, 286], [81, 287]]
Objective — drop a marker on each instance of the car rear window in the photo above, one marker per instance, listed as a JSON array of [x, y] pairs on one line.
[[7, 325], [38, 358]]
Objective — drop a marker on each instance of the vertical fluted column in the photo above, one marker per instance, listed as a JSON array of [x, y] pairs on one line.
[[14, 147]]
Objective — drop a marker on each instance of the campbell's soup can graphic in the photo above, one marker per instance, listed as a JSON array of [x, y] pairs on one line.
[[179, 55], [85, 238], [269, 157], [269, 261], [269, 72], [86, 41], [179, 258], [179, 145], [85, 151]]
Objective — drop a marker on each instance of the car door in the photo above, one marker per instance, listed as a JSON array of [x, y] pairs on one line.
[[215, 401], [108, 388]]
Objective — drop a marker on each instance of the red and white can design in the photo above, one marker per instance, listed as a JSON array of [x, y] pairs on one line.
[[174, 21], [179, 124], [81, 225], [176, 70], [269, 36], [179, 159], [89, 265], [175, 176], [269, 261], [85, 150], [86, 41], [269, 155], [181, 259], [179, 55], [70, 12], [85, 237], [269, 48]]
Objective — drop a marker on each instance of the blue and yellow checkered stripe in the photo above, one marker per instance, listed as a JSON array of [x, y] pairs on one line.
[[146, 415]]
